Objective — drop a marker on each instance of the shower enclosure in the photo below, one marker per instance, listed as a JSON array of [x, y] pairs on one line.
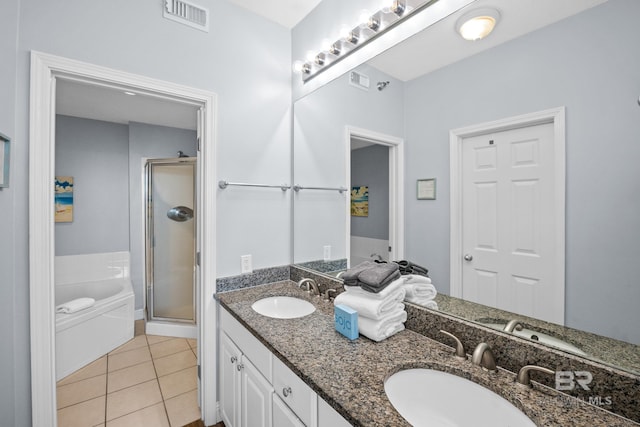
[[170, 240]]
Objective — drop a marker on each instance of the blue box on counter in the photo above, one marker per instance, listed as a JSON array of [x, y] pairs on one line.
[[346, 321]]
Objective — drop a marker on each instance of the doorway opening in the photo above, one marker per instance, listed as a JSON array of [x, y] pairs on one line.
[[375, 171], [46, 72]]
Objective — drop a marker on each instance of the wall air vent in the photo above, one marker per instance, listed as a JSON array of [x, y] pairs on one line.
[[187, 13], [359, 80]]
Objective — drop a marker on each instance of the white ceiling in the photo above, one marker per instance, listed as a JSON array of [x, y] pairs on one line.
[[434, 48], [440, 45], [113, 105], [285, 12]]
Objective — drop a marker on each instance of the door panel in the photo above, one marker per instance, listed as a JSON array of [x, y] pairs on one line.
[[508, 224]]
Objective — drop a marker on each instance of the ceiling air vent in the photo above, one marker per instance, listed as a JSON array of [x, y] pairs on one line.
[[187, 13], [359, 80]]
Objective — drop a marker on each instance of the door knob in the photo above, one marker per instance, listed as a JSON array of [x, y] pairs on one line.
[[468, 257]]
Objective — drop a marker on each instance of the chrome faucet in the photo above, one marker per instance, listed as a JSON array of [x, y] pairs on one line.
[[513, 324], [483, 357], [523, 374], [460, 353], [312, 286]]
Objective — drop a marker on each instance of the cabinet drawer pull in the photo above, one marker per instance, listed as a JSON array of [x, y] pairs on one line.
[[286, 391], [239, 367], [234, 359]]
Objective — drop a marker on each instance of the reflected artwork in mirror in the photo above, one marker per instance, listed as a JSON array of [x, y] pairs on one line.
[[584, 62]]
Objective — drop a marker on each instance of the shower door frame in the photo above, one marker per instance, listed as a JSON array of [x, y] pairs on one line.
[[149, 259]]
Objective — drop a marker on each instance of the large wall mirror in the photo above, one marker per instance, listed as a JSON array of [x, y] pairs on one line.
[[585, 64]]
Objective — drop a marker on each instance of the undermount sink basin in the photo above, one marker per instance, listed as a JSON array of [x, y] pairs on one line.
[[283, 307], [540, 337], [426, 397]]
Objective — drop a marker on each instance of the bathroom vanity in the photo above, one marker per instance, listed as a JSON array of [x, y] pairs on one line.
[[302, 372]]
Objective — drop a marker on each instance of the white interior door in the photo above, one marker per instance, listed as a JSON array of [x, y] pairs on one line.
[[508, 218]]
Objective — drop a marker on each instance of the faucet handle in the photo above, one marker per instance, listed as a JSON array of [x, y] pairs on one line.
[[328, 292], [460, 353], [523, 374]]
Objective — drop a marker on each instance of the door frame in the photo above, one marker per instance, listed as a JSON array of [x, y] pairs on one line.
[[396, 186], [456, 137], [45, 70]]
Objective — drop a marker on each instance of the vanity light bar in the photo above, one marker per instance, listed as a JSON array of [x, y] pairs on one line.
[[367, 30]]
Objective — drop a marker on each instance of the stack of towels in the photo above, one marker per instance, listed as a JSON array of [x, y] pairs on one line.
[[377, 291]]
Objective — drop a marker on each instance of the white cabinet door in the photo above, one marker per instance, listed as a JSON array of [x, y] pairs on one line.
[[256, 396], [282, 415], [230, 357]]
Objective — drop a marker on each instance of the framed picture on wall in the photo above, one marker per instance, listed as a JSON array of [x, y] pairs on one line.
[[5, 160], [426, 189], [64, 199], [360, 201]]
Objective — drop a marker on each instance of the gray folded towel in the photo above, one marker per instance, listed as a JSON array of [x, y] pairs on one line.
[[377, 277], [350, 277]]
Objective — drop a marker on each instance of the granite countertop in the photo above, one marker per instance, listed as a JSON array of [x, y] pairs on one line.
[[350, 375]]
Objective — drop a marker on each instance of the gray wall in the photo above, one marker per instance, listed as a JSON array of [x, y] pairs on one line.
[[245, 59], [96, 155], [590, 64], [12, 238], [152, 142], [106, 161], [370, 166]]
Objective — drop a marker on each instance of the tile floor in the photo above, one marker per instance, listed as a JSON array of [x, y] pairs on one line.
[[151, 381]]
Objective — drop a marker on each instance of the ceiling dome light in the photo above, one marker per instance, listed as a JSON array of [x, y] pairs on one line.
[[477, 24]]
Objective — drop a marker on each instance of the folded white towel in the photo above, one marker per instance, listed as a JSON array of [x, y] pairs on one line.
[[416, 278], [377, 330], [369, 306], [426, 303], [75, 305], [424, 291]]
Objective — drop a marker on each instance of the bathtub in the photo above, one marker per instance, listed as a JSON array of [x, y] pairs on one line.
[[89, 334]]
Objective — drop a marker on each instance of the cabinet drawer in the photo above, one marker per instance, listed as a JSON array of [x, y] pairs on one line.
[[294, 392], [259, 355]]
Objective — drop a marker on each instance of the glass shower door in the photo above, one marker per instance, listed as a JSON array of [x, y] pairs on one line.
[[171, 232]]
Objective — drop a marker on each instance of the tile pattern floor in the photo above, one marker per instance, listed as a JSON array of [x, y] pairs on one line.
[[151, 381]]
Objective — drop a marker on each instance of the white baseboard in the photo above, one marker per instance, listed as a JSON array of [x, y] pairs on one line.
[[138, 314], [171, 330]]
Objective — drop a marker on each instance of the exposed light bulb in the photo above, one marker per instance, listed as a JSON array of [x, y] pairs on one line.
[[398, 7], [335, 49], [326, 45], [364, 18], [297, 66], [310, 55]]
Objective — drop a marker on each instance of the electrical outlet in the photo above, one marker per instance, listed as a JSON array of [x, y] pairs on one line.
[[245, 261], [327, 253]]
